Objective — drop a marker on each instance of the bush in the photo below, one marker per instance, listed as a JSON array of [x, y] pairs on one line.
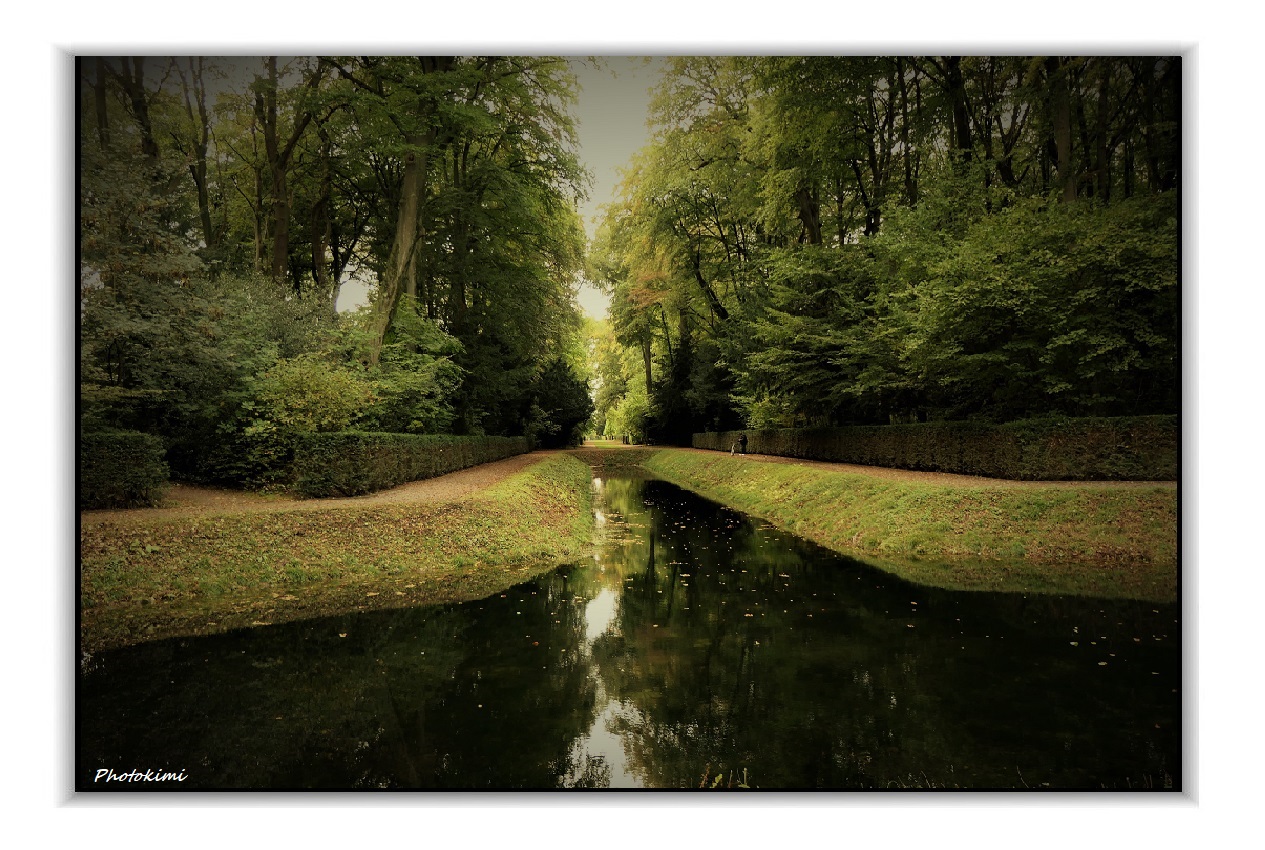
[[296, 396], [350, 463], [1141, 448], [561, 408], [120, 469]]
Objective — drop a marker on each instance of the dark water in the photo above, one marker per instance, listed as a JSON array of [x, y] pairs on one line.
[[697, 642]]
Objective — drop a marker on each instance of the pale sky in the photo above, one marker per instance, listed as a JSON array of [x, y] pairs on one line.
[[611, 113]]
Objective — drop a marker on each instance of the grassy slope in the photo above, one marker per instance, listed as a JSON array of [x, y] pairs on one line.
[[1119, 542], [214, 572]]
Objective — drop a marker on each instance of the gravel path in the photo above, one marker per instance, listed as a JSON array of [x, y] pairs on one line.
[[192, 499]]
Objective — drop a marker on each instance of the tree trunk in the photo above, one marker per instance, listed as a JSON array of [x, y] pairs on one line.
[[1102, 152], [646, 360], [320, 228], [279, 155], [399, 274], [394, 281], [809, 214], [132, 79], [907, 154], [1061, 114], [133, 83], [259, 220], [266, 113], [955, 86], [99, 102], [202, 126], [708, 292]]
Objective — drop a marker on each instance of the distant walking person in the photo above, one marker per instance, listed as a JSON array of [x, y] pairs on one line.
[[742, 444]]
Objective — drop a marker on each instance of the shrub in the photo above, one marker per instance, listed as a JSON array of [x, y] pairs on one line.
[[120, 469], [293, 397], [561, 408], [1141, 448], [350, 463]]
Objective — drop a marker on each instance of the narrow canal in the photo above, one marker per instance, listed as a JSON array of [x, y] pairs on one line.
[[698, 643]]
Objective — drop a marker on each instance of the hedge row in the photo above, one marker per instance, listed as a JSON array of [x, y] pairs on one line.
[[120, 469], [350, 463], [1142, 448]]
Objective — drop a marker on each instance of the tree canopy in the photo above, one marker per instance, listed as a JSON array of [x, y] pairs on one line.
[[842, 240], [224, 203], [820, 240]]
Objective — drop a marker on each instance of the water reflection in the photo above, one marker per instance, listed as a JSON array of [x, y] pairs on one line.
[[697, 642]]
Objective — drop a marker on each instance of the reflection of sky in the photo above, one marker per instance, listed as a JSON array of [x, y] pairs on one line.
[[599, 615], [600, 742]]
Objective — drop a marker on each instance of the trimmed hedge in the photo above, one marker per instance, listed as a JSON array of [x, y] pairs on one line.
[[121, 469], [1140, 448], [351, 463]]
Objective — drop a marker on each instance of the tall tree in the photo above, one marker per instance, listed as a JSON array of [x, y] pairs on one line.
[[279, 148]]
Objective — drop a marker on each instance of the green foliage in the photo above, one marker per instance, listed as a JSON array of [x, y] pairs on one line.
[[198, 176], [291, 398], [813, 351], [351, 463], [560, 408], [307, 395], [822, 241], [1068, 308], [1142, 448], [630, 417], [120, 469], [416, 377]]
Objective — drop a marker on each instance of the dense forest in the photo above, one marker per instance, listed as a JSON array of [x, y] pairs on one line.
[[804, 241], [225, 202], [819, 241]]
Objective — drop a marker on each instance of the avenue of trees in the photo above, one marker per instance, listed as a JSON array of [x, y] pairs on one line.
[[858, 240], [224, 203]]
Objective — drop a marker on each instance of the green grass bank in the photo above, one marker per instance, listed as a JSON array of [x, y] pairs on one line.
[[209, 573], [1082, 539]]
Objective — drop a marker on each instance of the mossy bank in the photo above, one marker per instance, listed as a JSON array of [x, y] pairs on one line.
[[151, 578], [196, 575], [1081, 539]]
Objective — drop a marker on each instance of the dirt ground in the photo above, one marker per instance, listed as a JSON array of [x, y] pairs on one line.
[[187, 499]]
